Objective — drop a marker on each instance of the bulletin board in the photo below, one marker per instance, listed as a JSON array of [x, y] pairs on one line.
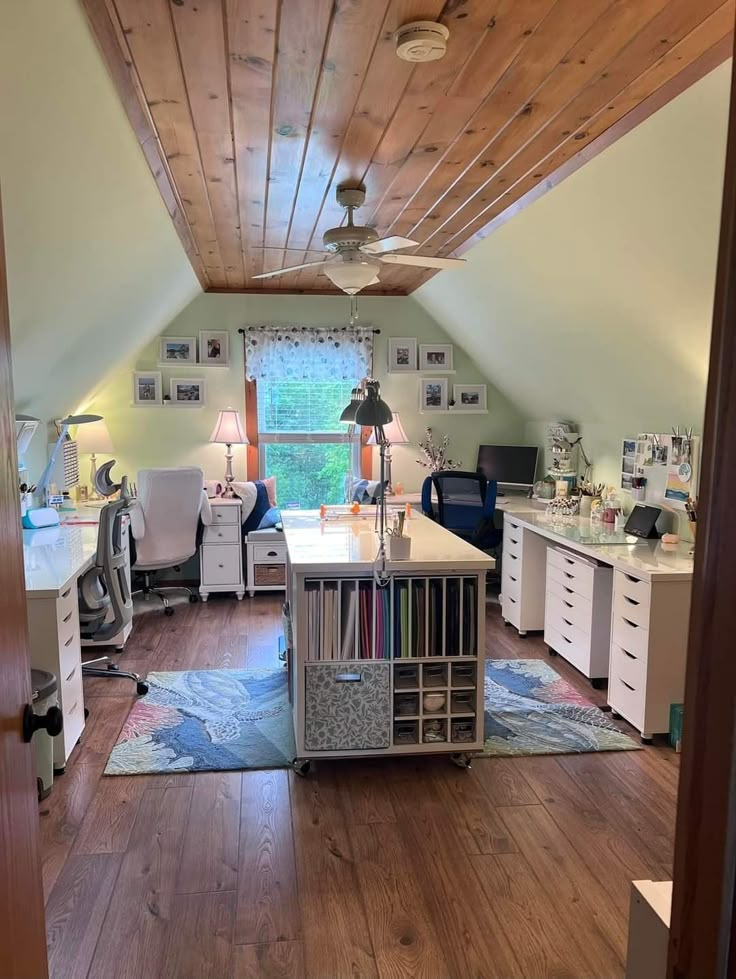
[[669, 463]]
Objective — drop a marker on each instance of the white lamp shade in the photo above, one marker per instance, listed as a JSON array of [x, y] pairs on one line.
[[93, 438], [393, 431], [229, 429]]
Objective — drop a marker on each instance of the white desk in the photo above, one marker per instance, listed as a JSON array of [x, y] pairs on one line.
[[555, 581], [364, 659], [54, 559]]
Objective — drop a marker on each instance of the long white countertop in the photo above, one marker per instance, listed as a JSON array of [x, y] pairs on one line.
[[350, 545], [55, 556], [646, 559]]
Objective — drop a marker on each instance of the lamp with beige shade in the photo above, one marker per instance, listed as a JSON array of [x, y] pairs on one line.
[[92, 439], [229, 431]]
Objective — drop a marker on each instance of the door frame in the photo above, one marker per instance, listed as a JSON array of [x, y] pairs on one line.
[[702, 924]]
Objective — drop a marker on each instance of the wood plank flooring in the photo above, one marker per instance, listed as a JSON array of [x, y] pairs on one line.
[[385, 869]]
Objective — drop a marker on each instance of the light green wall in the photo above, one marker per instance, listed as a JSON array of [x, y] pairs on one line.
[[95, 266], [178, 436], [594, 304]]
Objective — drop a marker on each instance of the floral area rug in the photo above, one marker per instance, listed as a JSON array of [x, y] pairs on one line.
[[531, 710], [207, 720]]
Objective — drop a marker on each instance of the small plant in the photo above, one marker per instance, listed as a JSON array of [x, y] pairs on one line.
[[434, 457], [591, 489]]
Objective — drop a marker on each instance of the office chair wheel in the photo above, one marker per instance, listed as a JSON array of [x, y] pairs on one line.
[[461, 760], [86, 713], [301, 766], [599, 682], [168, 610], [193, 599], [113, 667], [552, 652], [141, 688]]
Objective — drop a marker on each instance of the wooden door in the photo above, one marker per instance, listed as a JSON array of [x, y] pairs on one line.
[[22, 926]]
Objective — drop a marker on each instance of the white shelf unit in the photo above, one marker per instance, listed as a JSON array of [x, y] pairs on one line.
[[372, 701]]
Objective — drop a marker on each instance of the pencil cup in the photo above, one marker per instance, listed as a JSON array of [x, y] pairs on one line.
[[399, 548], [692, 524]]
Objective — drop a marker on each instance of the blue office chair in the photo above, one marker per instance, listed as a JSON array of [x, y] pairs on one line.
[[465, 504]]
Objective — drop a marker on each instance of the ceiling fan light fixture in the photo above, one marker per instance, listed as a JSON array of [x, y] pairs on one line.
[[352, 271]]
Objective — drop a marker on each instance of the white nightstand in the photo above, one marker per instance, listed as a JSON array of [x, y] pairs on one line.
[[266, 561], [221, 553]]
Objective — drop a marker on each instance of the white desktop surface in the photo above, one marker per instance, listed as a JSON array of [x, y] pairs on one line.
[[350, 545], [647, 559], [54, 556]]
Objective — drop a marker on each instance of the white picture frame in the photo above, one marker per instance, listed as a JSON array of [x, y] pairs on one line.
[[147, 388], [178, 350], [470, 397], [214, 348], [433, 394], [436, 357], [402, 355], [188, 392]]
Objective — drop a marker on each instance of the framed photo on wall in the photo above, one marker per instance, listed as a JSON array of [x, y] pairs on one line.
[[147, 388], [433, 394], [436, 357], [469, 397], [214, 347], [190, 392], [402, 355], [178, 350]]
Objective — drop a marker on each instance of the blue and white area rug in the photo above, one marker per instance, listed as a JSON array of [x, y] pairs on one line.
[[531, 710], [207, 720]]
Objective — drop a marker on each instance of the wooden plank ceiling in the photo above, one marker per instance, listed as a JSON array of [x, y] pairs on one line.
[[252, 112]]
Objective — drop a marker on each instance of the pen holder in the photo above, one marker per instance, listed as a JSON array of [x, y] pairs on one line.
[[692, 524], [399, 548]]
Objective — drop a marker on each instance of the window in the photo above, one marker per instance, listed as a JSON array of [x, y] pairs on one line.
[[302, 441]]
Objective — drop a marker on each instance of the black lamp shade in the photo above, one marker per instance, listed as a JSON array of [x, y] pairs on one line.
[[373, 412], [348, 412]]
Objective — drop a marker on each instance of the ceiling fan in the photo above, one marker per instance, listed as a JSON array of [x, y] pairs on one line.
[[358, 252]]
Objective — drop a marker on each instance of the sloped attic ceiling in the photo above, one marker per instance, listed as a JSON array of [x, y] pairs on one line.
[[595, 303], [95, 266]]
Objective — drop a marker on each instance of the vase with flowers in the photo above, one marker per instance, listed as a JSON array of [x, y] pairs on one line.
[[434, 455]]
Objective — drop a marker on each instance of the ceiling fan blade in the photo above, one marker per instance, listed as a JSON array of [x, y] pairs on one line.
[[427, 261], [389, 244], [290, 268]]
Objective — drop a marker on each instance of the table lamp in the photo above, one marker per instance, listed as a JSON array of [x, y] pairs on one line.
[[394, 435], [91, 439], [229, 431]]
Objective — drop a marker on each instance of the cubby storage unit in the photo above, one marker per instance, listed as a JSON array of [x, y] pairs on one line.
[[391, 669]]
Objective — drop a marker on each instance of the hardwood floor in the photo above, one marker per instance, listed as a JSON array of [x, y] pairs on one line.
[[518, 868]]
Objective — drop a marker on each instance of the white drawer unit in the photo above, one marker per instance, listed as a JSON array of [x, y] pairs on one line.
[[522, 579], [649, 627], [53, 633], [577, 613], [266, 555], [221, 553]]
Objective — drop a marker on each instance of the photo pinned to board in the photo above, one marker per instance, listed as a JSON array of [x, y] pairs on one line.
[[669, 465]]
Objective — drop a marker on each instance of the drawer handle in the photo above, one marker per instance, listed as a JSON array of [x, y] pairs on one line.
[[65, 594], [512, 600], [567, 640], [568, 575], [71, 674], [567, 560], [67, 617], [627, 653], [569, 604], [219, 533], [631, 601], [629, 622], [566, 621], [628, 686], [273, 554], [348, 677], [69, 640], [512, 578], [630, 578], [513, 540], [220, 565], [568, 590], [514, 525]]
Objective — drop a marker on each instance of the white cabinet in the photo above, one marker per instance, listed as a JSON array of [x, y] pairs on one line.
[[522, 579], [53, 633], [649, 627], [577, 614], [221, 553], [266, 551]]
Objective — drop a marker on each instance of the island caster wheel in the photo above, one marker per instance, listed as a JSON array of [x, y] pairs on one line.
[[615, 715], [193, 599], [599, 683], [86, 713], [141, 688], [646, 739], [461, 760], [522, 635], [168, 610], [506, 623], [301, 766], [552, 652]]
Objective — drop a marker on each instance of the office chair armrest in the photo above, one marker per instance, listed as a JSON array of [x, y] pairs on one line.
[[137, 520], [205, 512]]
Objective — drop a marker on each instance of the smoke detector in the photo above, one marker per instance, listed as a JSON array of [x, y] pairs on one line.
[[422, 40]]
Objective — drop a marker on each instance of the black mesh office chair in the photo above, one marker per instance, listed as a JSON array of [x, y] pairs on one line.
[[466, 502]]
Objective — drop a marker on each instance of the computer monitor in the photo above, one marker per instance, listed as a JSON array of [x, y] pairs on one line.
[[509, 465]]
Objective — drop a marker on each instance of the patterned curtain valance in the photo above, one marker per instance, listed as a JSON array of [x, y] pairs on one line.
[[308, 353]]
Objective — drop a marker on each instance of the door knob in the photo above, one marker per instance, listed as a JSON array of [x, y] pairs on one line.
[[52, 722]]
